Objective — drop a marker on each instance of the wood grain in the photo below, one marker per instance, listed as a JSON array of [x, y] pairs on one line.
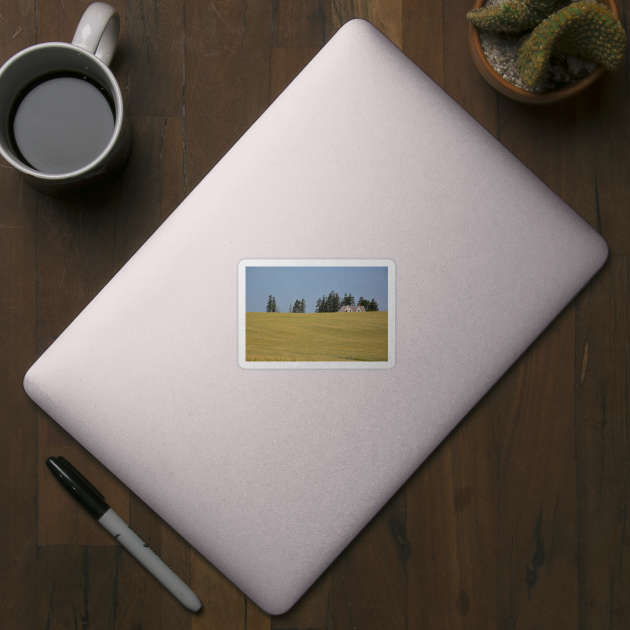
[[300, 22], [386, 15], [151, 187], [224, 606], [76, 587], [369, 577], [18, 416], [537, 510], [573, 149], [461, 79], [452, 516], [609, 133], [313, 610], [154, 57], [285, 64], [602, 380], [422, 36], [17, 28], [226, 78]]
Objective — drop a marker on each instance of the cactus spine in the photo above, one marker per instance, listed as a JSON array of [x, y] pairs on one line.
[[583, 29], [513, 16]]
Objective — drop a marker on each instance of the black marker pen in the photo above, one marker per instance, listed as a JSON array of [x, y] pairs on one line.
[[94, 502]]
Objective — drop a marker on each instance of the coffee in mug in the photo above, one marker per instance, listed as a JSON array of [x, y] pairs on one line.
[[65, 126], [61, 122]]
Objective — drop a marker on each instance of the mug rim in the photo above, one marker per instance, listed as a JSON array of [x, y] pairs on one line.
[[118, 122]]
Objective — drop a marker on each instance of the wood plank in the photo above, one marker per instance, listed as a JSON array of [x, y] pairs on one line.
[[74, 257], [76, 587], [18, 422], [386, 15], [537, 537], [17, 28], [226, 78], [462, 80], [18, 415], [558, 147], [255, 617], [285, 64], [452, 526], [171, 160], [313, 610], [154, 57], [603, 469], [573, 148], [608, 128], [300, 22], [564, 147], [224, 606], [369, 577], [422, 36], [152, 185]]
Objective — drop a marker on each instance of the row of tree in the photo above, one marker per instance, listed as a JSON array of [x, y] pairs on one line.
[[330, 303]]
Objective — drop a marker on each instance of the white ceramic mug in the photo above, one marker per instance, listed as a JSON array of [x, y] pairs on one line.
[[86, 59]]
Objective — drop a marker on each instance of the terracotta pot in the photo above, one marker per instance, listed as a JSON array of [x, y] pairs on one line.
[[518, 94]]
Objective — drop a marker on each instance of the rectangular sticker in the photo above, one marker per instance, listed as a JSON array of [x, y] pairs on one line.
[[316, 314]]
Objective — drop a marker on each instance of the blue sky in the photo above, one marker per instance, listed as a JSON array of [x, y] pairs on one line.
[[288, 284]]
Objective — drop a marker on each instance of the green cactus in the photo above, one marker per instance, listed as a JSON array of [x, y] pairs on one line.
[[513, 16], [583, 29]]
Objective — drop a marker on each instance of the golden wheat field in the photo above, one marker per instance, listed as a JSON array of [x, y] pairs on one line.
[[316, 336]]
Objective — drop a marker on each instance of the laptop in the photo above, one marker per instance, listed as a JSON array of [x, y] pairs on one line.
[[220, 375]]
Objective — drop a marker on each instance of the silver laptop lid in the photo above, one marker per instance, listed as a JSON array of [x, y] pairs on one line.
[[362, 162]]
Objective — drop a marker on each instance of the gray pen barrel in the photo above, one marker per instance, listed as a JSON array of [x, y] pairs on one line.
[[149, 559]]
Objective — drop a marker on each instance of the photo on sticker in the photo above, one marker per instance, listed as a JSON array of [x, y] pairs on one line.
[[316, 313]]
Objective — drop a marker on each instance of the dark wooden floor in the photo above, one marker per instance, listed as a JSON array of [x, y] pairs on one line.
[[518, 520]]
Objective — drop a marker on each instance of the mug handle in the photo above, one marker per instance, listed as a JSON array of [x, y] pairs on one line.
[[98, 30]]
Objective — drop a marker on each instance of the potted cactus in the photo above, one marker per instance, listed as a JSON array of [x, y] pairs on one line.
[[558, 49]]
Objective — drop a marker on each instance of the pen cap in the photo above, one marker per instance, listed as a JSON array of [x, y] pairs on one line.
[[78, 486]]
